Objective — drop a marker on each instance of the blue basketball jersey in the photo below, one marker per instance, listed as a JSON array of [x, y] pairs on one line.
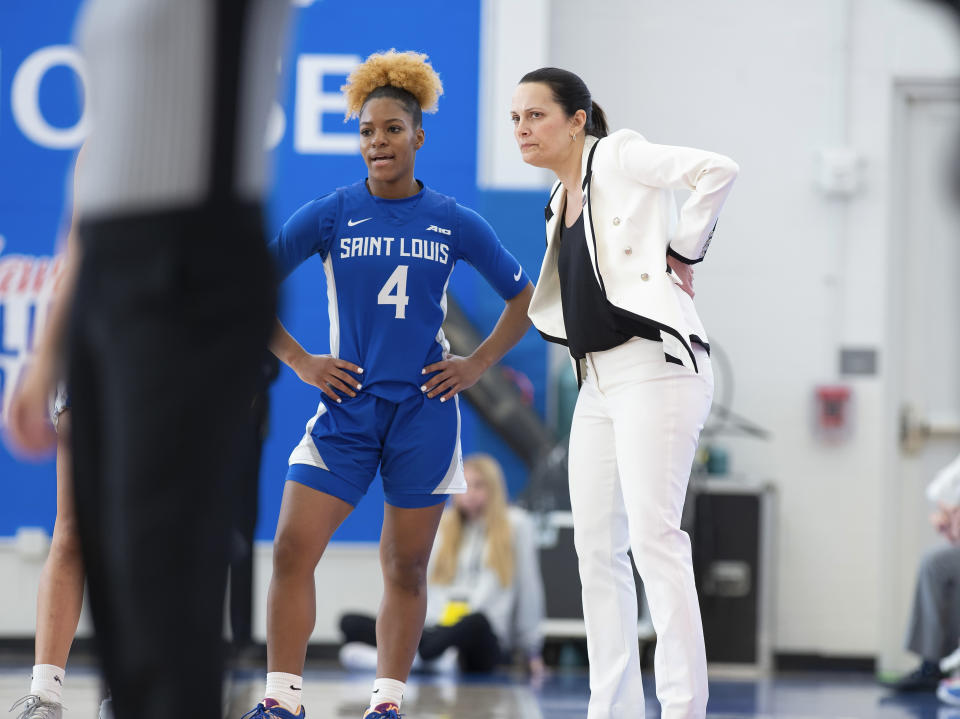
[[387, 265]]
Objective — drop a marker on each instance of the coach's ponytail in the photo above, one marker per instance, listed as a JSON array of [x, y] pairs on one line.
[[597, 126]]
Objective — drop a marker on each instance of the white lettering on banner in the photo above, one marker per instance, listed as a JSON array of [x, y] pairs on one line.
[[276, 126], [25, 98], [26, 285], [312, 103]]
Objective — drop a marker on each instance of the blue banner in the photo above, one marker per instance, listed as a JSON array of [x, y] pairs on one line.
[[42, 123]]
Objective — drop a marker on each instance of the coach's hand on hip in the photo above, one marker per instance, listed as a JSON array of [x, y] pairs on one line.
[[684, 273]]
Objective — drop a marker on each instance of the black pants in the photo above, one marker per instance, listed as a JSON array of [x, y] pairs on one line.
[[170, 321], [244, 489], [477, 645]]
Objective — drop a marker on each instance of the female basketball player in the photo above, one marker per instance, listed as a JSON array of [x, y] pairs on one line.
[[388, 245], [616, 288], [60, 594]]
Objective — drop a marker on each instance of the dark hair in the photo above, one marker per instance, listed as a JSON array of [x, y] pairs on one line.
[[571, 93], [405, 98]]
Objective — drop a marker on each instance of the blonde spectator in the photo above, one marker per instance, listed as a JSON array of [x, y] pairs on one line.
[[484, 597]]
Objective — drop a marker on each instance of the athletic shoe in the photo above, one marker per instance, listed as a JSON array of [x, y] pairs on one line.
[[271, 709], [106, 709], [924, 678], [949, 691], [951, 663], [33, 707], [387, 710]]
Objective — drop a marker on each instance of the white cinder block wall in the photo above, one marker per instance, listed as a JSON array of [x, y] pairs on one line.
[[792, 275]]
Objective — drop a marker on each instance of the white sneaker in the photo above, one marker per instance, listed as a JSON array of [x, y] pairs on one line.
[[950, 663], [33, 707], [949, 691], [106, 709]]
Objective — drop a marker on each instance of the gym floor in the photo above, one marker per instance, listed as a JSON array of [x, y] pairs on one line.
[[330, 692]]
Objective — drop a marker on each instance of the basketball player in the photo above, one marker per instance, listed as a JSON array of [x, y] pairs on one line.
[[388, 245]]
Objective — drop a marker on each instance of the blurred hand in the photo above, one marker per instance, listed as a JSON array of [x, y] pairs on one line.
[[329, 374], [538, 671], [952, 530], [940, 519], [684, 272], [453, 375], [28, 421]]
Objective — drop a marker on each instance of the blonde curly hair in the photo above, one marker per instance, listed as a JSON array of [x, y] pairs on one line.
[[408, 71]]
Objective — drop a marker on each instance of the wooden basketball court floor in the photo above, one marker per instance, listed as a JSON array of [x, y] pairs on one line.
[[330, 693]]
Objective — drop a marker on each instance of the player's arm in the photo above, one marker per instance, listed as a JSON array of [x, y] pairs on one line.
[[308, 233], [329, 374], [28, 421], [482, 249]]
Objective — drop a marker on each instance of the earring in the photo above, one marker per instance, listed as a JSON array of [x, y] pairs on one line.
[[573, 137]]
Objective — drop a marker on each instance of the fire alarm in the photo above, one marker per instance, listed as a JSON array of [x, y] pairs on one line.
[[833, 411]]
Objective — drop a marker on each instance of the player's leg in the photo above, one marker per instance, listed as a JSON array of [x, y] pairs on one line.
[[60, 594], [329, 473], [405, 545], [308, 518], [421, 464]]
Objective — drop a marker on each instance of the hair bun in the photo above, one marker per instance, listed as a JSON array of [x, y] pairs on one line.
[[408, 71]]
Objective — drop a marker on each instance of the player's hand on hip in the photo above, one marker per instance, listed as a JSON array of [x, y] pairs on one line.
[[453, 375], [28, 420], [330, 375], [684, 273]]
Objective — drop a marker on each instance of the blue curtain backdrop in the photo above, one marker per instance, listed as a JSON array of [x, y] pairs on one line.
[[41, 125]]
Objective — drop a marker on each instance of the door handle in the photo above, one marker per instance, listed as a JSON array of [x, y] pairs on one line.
[[916, 430]]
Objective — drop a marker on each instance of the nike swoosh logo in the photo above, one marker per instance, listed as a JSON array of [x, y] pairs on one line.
[[351, 223], [516, 277], [296, 689]]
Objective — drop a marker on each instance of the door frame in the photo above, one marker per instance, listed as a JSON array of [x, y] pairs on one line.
[[891, 655]]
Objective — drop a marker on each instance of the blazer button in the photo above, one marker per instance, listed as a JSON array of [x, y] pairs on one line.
[[616, 220], [644, 277], [628, 251]]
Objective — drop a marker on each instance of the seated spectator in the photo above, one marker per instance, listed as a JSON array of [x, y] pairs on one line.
[[934, 627], [485, 597]]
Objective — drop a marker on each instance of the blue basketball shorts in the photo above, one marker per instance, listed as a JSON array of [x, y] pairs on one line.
[[415, 442]]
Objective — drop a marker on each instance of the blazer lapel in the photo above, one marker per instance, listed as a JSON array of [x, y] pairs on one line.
[[587, 209]]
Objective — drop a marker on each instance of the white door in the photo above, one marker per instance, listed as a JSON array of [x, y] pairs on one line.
[[924, 346]]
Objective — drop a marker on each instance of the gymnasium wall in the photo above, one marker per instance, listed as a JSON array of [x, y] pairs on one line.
[[793, 275], [42, 123]]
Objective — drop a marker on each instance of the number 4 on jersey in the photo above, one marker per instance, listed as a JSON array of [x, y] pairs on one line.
[[397, 280]]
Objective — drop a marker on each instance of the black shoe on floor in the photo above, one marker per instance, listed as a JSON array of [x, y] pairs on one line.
[[924, 678]]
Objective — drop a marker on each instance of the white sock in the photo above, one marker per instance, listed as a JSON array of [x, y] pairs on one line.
[[47, 683], [386, 691], [286, 689]]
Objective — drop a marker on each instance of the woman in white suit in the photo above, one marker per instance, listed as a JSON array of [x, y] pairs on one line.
[[616, 288]]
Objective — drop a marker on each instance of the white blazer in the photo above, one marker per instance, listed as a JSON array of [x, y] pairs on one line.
[[631, 223]]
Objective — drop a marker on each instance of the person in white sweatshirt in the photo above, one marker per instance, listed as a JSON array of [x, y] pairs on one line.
[[934, 625], [484, 595]]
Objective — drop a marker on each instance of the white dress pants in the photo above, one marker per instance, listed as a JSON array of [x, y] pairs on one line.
[[632, 443]]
